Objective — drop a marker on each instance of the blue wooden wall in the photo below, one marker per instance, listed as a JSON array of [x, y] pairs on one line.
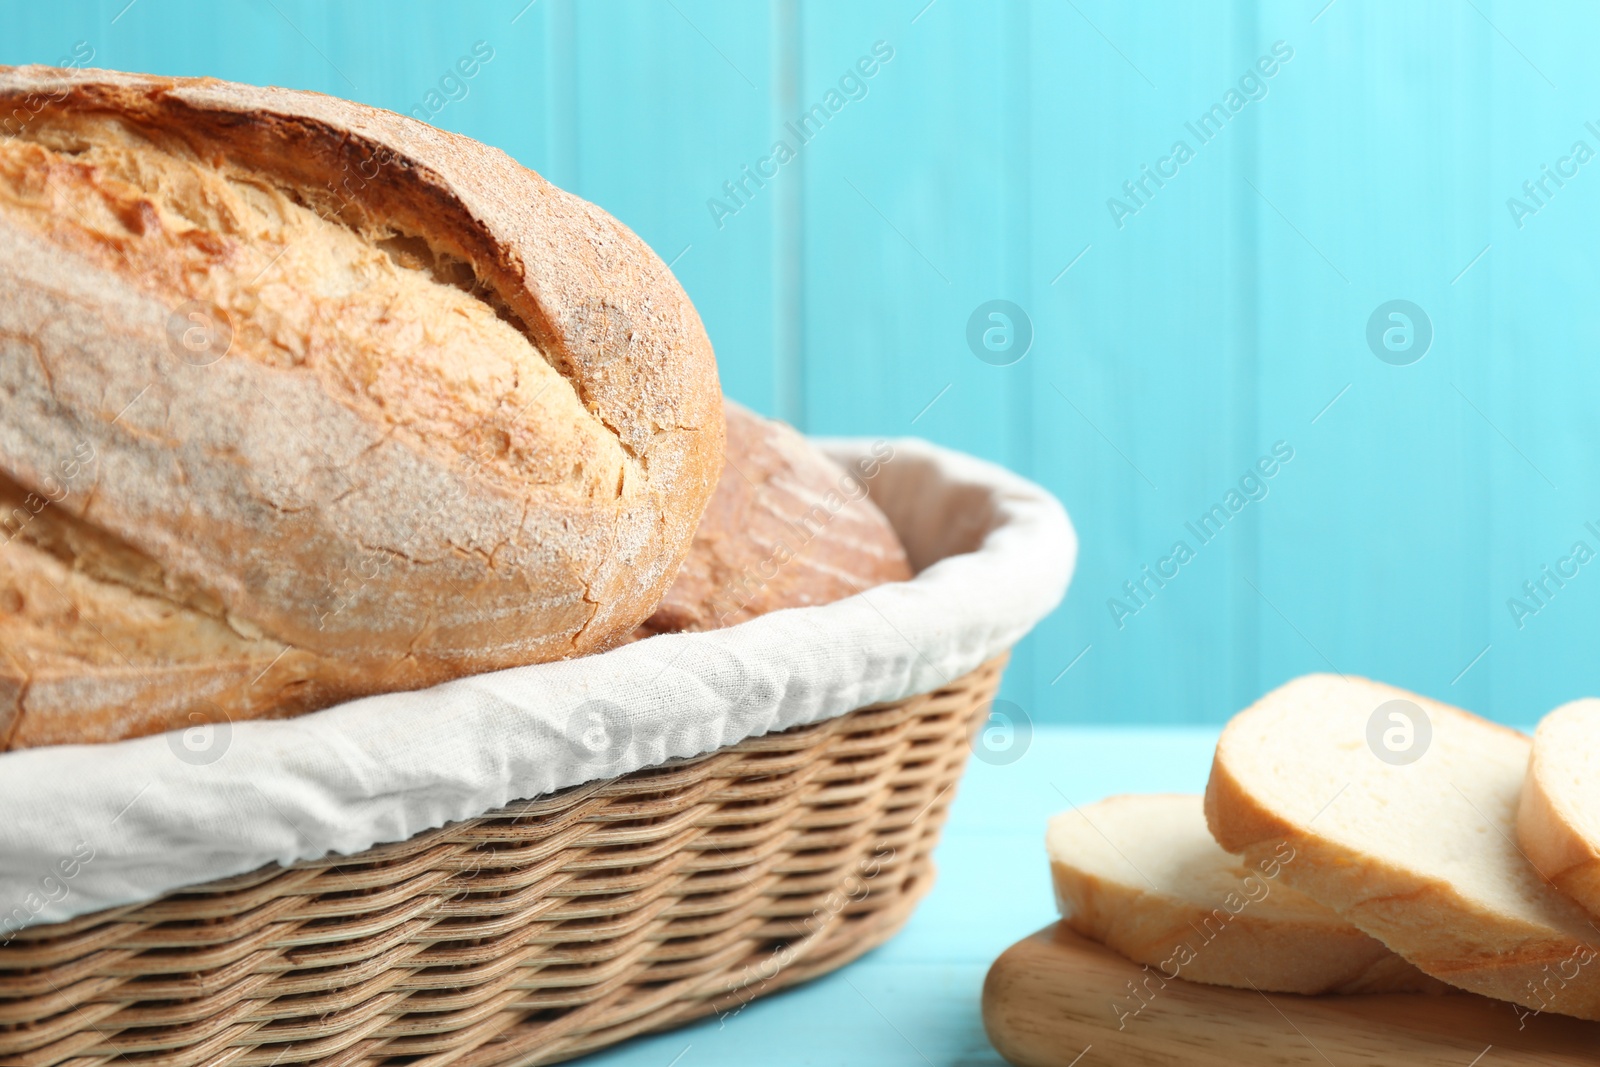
[[1178, 336]]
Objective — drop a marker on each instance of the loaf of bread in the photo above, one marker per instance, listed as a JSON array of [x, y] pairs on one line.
[[304, 400], [1141, 875], [1416, 845], [787, 527]]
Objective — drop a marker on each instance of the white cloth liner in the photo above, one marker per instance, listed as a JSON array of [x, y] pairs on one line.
[[86, 827]]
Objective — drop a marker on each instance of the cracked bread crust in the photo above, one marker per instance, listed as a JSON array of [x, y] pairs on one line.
[[348, 403]]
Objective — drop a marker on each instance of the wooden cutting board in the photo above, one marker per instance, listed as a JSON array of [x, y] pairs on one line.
[[1055, 999]]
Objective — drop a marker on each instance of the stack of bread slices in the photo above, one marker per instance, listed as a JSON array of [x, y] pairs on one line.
[[1358, 838]]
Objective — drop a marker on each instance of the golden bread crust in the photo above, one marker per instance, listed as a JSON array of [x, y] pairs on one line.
[[442, 417]]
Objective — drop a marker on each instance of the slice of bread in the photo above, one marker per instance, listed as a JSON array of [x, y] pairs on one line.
[[1141, 875], [1558, 822], [1401, 812]]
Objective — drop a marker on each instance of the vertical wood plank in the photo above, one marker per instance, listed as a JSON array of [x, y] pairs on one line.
[[788, 226], [1142, 424], [673, 104]]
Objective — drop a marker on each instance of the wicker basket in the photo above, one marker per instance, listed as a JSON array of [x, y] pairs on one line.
[[532, 934]]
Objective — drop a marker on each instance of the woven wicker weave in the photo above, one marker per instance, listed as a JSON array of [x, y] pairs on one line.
[[533, 934]]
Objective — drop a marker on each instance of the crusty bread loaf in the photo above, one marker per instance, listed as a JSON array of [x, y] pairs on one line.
[[1420, 853], [1558, 818], [1142, 875], [305, 400], [787, 527]]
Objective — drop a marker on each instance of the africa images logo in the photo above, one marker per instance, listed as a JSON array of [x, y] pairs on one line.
[[1206, 127], [1253, 486], [851, 85], [1399, 332], [999, 332]]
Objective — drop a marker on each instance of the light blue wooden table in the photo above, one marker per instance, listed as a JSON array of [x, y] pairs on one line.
[[915, 1000]]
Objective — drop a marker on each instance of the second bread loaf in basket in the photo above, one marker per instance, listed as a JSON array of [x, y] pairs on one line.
[[787, 527]]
